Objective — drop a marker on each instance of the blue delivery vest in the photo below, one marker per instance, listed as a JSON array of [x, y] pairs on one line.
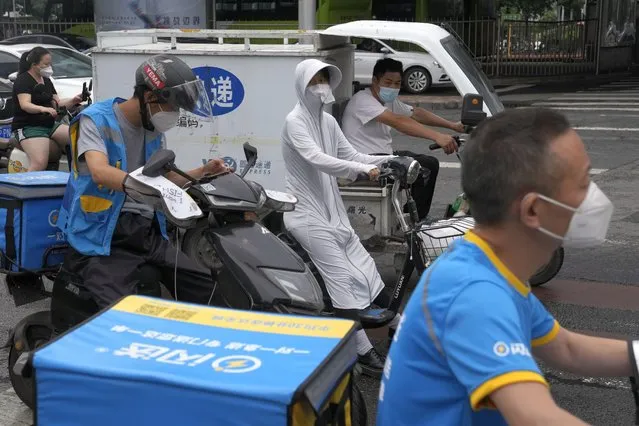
[[90, 211]]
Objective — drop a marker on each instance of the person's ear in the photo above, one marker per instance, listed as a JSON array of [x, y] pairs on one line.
[[529, 209]]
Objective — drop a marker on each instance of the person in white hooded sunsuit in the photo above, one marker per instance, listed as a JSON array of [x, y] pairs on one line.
[[315, 153]]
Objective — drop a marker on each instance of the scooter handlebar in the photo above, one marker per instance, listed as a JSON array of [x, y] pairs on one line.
[[458, 140], [362, 177]]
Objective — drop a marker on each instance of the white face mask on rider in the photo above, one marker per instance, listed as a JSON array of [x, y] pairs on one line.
[[163, 121], [589, 224], [46, 72], [323, 92]]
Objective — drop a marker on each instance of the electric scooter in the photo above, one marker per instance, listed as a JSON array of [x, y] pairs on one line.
[[251, 268], [461, 208]]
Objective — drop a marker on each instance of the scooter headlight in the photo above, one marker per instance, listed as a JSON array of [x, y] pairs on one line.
[[301, 287], [280, 201], [413, 172]]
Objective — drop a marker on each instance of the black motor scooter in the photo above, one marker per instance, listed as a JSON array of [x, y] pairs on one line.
[[252, 269]]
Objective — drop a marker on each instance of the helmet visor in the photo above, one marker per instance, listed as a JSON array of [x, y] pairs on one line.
[[190, 97]]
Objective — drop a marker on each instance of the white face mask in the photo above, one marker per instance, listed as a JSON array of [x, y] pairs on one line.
[[589, 224], [164, 121], [323, 92], [46, 72]]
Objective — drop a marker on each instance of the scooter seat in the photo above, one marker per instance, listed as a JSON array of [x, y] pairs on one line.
[[375, 317]]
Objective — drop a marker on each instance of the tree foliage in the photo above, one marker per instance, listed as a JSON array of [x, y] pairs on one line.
[[528, 8]]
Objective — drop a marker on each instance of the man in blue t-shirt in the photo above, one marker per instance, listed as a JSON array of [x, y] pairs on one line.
[[462, 354]]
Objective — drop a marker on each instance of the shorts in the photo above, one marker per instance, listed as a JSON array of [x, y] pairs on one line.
[[30, 132]]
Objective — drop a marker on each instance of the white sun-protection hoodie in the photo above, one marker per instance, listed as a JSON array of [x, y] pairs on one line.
[[315, 153]]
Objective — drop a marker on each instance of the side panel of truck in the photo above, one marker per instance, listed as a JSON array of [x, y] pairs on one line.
[[250, 95]]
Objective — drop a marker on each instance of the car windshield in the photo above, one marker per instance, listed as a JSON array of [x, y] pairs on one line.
[[80, 43], [68, 63], [474, 74]]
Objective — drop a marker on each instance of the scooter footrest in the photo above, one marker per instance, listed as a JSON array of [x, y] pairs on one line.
[[375, 317]]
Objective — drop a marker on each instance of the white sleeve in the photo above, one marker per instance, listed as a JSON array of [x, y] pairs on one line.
[[400, 108], [298, 136], [345, 150], [89, 138], [367, 108]]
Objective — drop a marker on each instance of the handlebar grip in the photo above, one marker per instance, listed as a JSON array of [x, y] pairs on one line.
[[362, 176], [458, 140]]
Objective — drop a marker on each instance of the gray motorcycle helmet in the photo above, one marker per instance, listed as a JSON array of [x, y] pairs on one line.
[[173, 83]]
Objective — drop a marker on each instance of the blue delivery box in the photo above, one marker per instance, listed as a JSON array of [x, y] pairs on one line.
[[147, 361], [29, 207]]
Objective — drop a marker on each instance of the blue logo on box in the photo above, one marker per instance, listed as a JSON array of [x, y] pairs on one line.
[[230, 162], [53, 217], [5, 132], [225, 90]]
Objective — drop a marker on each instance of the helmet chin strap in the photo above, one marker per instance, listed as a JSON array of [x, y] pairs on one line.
[[144, 111]]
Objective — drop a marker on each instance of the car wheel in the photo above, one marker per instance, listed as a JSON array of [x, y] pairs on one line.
[[417, 80]]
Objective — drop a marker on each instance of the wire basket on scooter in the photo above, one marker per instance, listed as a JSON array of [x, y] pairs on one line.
[[436, 237]]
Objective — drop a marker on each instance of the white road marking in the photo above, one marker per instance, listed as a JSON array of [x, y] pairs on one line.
[[596, 109], [604, 381], [514, 87], [616, 90], [447, 165], [608, 129], [593, 93], [618, 103], [593, 98]]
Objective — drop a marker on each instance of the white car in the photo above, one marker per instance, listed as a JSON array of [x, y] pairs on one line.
[[421, 71], [70, 68]]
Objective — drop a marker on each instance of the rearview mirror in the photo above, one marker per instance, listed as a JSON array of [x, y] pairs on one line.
[[13, 76], [160, 163], [250, 152], [472, 110], [384, 50]]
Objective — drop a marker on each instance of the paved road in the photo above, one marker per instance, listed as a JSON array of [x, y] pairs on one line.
[[597, 290]]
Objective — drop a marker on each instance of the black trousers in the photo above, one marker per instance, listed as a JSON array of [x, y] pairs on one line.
[[423, 188], [137, 241]]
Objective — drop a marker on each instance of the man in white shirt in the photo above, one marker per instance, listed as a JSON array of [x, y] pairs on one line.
[[372, 113]]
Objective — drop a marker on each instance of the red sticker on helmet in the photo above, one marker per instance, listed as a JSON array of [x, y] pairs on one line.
[[155, 80]]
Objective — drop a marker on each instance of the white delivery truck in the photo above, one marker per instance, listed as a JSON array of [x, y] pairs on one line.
[[250, 85]]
